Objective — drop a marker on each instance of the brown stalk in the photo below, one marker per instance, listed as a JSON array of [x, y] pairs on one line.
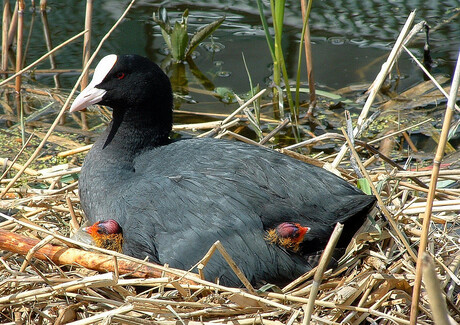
[[49, 46], [21, 8], [5, 24], [309, 59], [87, 42], [13, 26], [323, 263], [380, 202], [61, 255], [433, 288], [86, 54], [431, 194]]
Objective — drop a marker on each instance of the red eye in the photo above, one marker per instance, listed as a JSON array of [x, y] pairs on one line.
[[120, 75]]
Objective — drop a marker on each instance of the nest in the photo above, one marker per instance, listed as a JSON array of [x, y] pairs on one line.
[[48, 278]]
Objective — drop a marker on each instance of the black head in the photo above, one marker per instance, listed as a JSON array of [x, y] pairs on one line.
[[133, 86]]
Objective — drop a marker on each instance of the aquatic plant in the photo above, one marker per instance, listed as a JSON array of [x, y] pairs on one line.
[[176, 34]]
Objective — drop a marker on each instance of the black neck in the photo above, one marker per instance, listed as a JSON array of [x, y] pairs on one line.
[[130, 134]]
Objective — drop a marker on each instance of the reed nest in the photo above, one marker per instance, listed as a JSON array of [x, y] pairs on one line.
[[47, 278]]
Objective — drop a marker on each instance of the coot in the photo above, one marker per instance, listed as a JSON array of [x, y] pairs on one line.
[[174, 199]]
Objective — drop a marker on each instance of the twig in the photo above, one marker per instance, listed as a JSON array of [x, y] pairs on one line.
[[33, 250], [434, 178], [104, 315], [13, 162], [380, 201], [428, 74], [218, 245], [274, 131], [73, 218], [235, 112], [378, 83], [435, 297], [75, 151], [323, 263]]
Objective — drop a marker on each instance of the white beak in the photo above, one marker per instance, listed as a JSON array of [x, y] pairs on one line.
[[91, 94]]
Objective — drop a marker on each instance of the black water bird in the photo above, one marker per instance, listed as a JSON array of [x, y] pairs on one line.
[[174, 199]]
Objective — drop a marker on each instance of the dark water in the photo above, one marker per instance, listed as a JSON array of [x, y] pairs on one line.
[[351, 39]]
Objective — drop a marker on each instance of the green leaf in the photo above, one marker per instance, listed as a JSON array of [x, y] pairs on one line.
[[179, 38], [162, 20], [266, 30], [364, 186], [202, 33], [70, 178]]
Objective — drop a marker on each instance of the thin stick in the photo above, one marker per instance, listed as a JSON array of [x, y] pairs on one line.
[[87, 42], [49, 46], [13, 25], [218, 245], [324, 262], [86, 54], [428, 74], [378, 83], [43, 57], [34, 249], [379, 200], [73, 218], [21, 8], [309, 61], [75, 151], [66, 104], [433, 288], [238, 110], [274, 131], [434, 178], [5, 24]]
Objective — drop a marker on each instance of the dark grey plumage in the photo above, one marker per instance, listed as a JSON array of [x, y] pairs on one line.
[[175, 199]]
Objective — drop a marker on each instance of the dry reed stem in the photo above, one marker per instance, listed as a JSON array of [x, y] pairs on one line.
[[378, 83], [12, 164], [435, 297], [86, 55], [5, 24], [434, 177], [309, 60], [43, 57], [323, 263], [429, 75], [275, 131], [104, 315], [232, 115], [87, 42], [380, 201]]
